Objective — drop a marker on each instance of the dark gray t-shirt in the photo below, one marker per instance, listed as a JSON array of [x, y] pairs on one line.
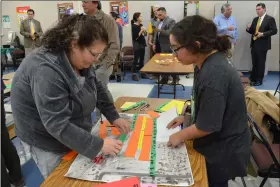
[[219, 107]]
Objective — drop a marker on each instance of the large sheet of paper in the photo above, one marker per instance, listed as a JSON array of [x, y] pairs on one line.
[[172, 165]]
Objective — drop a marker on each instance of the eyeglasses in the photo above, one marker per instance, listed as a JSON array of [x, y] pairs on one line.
[[175, 50], [95, 55]]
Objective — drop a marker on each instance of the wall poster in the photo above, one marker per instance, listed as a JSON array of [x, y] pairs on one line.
[[64, 9], [121, 8], [22, 13]]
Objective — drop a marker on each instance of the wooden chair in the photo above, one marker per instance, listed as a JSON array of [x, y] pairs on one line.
[[265, 156], [126, 58]]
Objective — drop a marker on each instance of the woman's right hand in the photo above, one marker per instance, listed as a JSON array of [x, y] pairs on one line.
[[143, 28], [176, 122], [111, 147]]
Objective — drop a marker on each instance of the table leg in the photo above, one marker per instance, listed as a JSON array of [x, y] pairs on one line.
[[174, 85], [158, 85]]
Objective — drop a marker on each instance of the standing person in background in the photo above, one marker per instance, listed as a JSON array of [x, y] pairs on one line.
[[107, 60], [226, 25], [152, 24], [261, 29], [161, 42], [139, 44], [9, 157], [31, 29], [117, 69]]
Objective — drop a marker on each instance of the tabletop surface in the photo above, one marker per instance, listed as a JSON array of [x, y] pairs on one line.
[[174, 67], [197, 161]]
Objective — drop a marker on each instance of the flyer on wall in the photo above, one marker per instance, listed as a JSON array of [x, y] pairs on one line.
[[6, 22], [22, 13]]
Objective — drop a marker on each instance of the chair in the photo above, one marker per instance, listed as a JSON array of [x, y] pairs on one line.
[[17, 57], [127, 57], [277, 89], [265, 156]]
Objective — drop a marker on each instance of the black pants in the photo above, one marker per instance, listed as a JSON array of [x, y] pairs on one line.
[[139, 55], [9, 157], [258, 61]]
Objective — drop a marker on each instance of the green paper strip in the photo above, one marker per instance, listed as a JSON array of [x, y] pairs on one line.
[[153, 150], [122, 138], [8, 86], [134, 121], [134, 106], [158, 109]]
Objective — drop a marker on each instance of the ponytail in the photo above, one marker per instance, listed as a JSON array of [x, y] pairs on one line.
[[223, 44], [132, 22]]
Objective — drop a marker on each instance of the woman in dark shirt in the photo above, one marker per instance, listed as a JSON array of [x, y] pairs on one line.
[[139, 44], [219, 124]]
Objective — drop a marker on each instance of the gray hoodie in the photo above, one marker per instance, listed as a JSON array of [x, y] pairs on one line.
[[52, 106]]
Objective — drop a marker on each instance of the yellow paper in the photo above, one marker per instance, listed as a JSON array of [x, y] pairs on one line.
[[165, 54], [140, 140], [127, 104], [144, 123], [174, 103]]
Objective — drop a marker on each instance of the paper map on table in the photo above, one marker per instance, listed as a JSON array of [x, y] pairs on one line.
[[144, 154]]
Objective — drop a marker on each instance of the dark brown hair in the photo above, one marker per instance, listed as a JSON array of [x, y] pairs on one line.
[[262, 5], [31, 10], [136, 15], [83, 28], [197, 28]]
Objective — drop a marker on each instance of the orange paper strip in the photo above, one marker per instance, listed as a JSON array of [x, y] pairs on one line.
[[146, 148], [132, 146], [115, 131], [133, 142], [70, 156], [103, 130], [138, 124], [153, 114], [149, 127]]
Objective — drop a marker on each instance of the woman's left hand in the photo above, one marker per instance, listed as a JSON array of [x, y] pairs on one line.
[[122, 125]]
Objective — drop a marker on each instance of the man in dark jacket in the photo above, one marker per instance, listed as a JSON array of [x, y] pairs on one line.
[[261, 29], [117, 70]]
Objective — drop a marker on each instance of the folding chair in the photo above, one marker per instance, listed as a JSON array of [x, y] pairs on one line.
[[277, 89], [265, 156]]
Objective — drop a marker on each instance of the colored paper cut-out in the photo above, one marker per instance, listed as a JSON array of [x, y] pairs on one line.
[[127, 104], [9, 86], [128, 182], [103, 130], [146, 149], [149, 127], [153, 114], [70, 156], [115, 131], [132, 146]]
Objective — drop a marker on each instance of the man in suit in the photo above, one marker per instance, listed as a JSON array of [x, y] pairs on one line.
[[161, 42], [31, 30], [261, 29]]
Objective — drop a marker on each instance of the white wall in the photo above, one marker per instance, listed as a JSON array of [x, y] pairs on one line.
[[45, 11]]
